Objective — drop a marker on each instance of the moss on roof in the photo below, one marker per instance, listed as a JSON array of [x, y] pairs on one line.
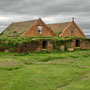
[[17, 27], [59, 27]]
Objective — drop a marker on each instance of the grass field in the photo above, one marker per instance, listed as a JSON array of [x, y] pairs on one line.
[[45, 71]]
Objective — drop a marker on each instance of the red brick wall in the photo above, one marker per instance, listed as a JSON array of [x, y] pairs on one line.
[[33, 30], [68, 31]]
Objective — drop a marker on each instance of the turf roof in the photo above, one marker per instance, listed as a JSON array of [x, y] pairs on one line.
[[21, 27]]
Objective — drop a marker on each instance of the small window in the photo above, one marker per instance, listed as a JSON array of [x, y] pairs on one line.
[[72, 30], [40, 29]]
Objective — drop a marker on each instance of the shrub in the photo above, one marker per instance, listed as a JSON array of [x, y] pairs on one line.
[[44, 51]]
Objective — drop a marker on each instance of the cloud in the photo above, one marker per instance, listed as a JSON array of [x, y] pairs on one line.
[[51, 11]]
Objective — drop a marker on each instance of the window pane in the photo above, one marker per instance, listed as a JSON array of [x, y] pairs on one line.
[[40, 29], [72, 30]]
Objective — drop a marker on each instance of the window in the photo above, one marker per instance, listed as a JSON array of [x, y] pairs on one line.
[[72, 30], [40, 29]]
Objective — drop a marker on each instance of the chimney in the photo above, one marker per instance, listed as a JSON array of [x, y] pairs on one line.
[[73, 19]]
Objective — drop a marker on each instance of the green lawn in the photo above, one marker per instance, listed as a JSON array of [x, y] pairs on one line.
[[45, 71]]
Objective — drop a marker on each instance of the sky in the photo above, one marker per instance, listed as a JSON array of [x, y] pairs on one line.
[[51, 11]]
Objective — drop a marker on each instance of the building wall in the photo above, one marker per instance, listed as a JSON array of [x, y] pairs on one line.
[[33, 30], [37, 46], [33, 47], [68, 31], [83, 44], [28, 47]]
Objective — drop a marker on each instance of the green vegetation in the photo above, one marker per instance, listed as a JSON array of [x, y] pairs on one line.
[[14, 41], [45, 70]]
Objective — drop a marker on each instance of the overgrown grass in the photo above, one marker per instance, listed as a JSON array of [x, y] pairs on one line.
[[14, 41], [45, 71]]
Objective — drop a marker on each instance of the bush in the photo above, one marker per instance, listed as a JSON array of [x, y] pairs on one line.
[[77, 48], [44, 51]]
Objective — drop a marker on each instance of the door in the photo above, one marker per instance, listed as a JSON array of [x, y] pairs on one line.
[[44, 44], [77, 43]]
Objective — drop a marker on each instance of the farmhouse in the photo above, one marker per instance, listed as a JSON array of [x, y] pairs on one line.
[[37, 35], [29, 28], [39, 28], [67, 29]]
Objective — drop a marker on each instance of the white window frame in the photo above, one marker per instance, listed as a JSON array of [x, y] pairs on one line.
[[40, 29], [73, 30]]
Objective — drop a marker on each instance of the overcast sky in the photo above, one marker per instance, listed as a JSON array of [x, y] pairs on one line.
[[51, 11]]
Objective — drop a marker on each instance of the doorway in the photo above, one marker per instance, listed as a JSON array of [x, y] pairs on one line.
[[44, 44], [77, 43]]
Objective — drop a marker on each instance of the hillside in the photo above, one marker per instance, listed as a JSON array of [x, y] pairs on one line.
[[45, 71]]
